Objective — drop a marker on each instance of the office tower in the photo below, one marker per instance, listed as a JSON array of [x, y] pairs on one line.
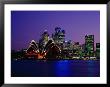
[[70, 49], [83, 50], [45, 37], [97, 50], [89, 45], [59, 36], [76, 48], [83, 47], [43, 40]]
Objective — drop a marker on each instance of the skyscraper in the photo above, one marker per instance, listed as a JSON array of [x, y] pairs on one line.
[[43, 41], [98, 50], [76, 48], [59, 35], [89, 45]]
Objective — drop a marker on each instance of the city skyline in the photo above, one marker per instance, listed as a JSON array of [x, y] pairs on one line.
[[29, 25]]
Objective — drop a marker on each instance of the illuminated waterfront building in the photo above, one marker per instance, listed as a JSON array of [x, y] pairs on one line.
[[76, 49], [59, 36], [89, 45], [98, 50], [83, 50], [33, 47], [32, 50], [57, 47], [52, 50], [44, 40], [68, 48], [68, 45]]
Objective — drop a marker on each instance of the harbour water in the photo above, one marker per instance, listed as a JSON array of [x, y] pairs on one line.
[[55, 68]]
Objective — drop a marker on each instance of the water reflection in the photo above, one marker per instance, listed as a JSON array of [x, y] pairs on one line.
[[93, 68], [62, 68], [58, 68]]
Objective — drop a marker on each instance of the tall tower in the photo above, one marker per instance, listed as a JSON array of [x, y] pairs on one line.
[[45, 37], [43, 41], [59, 36], [98, 50], [89, 45]]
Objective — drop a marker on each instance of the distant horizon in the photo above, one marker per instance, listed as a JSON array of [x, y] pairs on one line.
[[29, 25]]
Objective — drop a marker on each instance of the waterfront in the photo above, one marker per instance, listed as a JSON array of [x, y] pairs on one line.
[[55, 68]]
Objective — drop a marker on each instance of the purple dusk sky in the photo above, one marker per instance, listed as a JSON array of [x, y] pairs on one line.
[[29, 25]]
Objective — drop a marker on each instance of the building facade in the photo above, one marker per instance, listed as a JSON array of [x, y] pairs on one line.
[[44, 40], [59, 35], [89, 45], [98, 50]]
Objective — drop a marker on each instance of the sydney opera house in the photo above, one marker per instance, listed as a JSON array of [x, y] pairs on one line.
[[56, 47], [47, 48], [50, 50]]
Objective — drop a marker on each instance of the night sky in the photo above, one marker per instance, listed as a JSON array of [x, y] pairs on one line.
[[29, 25]]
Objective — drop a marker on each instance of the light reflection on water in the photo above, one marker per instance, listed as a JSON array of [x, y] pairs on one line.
[[58, 68], [62, 68]]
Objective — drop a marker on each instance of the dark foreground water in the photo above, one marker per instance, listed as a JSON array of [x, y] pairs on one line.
[[58, 68]]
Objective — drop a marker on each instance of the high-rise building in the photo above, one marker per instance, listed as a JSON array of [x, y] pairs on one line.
[[76, 48], [45, 37], [98, 50], [83, 50], [44, 40], [59, 36], [89, 45]]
